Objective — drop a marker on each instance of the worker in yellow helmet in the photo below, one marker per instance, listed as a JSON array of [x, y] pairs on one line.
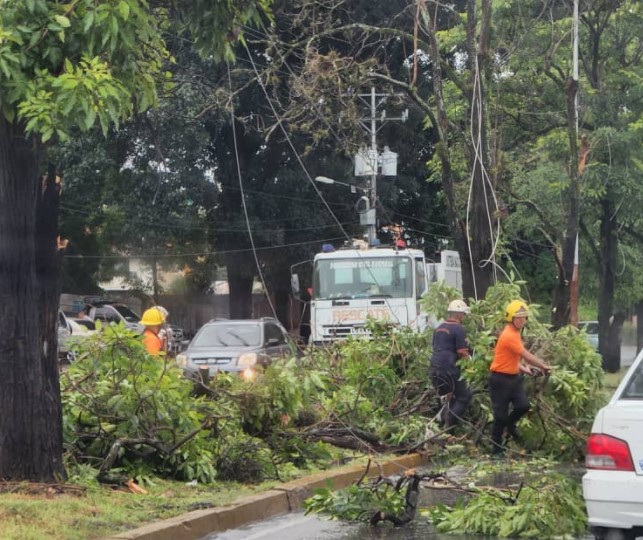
[[153, 320], [506, 379]]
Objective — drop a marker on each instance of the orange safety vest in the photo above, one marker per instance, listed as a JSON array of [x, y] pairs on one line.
[[152, 342]]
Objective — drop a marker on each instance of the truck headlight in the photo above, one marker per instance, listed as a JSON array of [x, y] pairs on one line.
[[247, 360], [181, 360]]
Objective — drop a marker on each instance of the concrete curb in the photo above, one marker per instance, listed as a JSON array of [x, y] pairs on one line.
[[286, 498]]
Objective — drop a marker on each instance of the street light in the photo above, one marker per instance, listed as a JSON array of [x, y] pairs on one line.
[[326, 180], [367, 215]]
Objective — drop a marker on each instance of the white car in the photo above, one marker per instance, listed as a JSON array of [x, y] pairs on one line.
[[591, 331], [69, 331], [613, 483]]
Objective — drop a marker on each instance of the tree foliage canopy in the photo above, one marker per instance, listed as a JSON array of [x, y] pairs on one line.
[[66, 65]]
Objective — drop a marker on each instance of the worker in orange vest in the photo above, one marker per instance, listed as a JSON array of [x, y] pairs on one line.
[[153, 320]]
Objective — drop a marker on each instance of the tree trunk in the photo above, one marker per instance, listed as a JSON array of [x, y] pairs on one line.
[[240, 282], [639, 326], [282, 305], [609, 328], [31, 420], [482, 208], [560, 316], [474, 285]]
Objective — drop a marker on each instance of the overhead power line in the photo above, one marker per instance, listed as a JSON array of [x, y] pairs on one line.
[[205, 253]]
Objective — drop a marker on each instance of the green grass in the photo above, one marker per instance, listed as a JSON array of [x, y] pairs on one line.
[[101, 511], [612, 380]]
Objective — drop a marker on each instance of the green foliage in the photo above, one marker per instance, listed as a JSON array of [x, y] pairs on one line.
[[68, 65], [117, 398], [368, 382], [224, 19], [116, 393], [546, 504], [356, 503]]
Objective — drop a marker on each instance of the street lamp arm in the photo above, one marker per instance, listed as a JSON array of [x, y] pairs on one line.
[[326, 180]]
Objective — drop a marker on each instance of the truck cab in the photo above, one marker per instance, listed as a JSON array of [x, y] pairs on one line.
[[352, 285]]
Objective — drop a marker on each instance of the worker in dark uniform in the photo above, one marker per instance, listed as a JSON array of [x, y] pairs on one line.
[[449, 345]]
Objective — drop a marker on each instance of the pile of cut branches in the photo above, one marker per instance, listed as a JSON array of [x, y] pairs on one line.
[[129, 414]]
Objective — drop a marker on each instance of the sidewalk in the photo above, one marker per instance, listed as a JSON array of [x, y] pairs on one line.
[[281, 500]]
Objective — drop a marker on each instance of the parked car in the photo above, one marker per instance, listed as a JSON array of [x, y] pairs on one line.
[[241, 346], [175, 339], [64, 333], [591, 330], [68, 331], [115, 312], [87, 323], [613, 483]]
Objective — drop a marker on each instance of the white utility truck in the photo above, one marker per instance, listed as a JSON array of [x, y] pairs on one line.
[[385, 283]]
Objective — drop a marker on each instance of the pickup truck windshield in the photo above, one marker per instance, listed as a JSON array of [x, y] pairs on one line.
[[363, 277], [127, 313]]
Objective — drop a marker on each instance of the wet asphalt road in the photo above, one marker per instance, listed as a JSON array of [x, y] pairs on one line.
[[297, 526]]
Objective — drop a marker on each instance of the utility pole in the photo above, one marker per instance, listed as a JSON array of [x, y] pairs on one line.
[[573, 288], [368, 161], [373, 184]]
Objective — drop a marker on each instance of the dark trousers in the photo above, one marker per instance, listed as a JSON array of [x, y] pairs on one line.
[[506, 390], [447, 381]]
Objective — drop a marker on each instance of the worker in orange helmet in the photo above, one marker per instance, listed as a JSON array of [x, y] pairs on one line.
[[153, 320]]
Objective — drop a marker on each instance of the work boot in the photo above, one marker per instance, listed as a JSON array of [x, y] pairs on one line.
[[512, 433]]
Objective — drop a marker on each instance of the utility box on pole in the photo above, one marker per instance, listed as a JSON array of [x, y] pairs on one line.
[[365, 162], [389, 162]]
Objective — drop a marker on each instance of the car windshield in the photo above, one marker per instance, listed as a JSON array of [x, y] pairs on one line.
[[363, 277], [228, 335], [127, 313], [634, 387]]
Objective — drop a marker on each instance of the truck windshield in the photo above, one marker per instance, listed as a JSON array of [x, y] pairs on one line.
[[363, 277]]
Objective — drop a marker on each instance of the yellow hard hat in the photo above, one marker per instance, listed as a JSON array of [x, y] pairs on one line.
[[152, 317], [516, 308]]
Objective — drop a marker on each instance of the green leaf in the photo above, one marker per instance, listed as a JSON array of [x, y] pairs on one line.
[[62, 21], [123, 9], [4, 68], [88, 21], [47, 134]]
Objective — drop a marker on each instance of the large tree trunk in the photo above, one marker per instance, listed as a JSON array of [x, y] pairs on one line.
[[480, 256], [609, 323], [240, 281], [31, 420], [475, 280], [560, 316]]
